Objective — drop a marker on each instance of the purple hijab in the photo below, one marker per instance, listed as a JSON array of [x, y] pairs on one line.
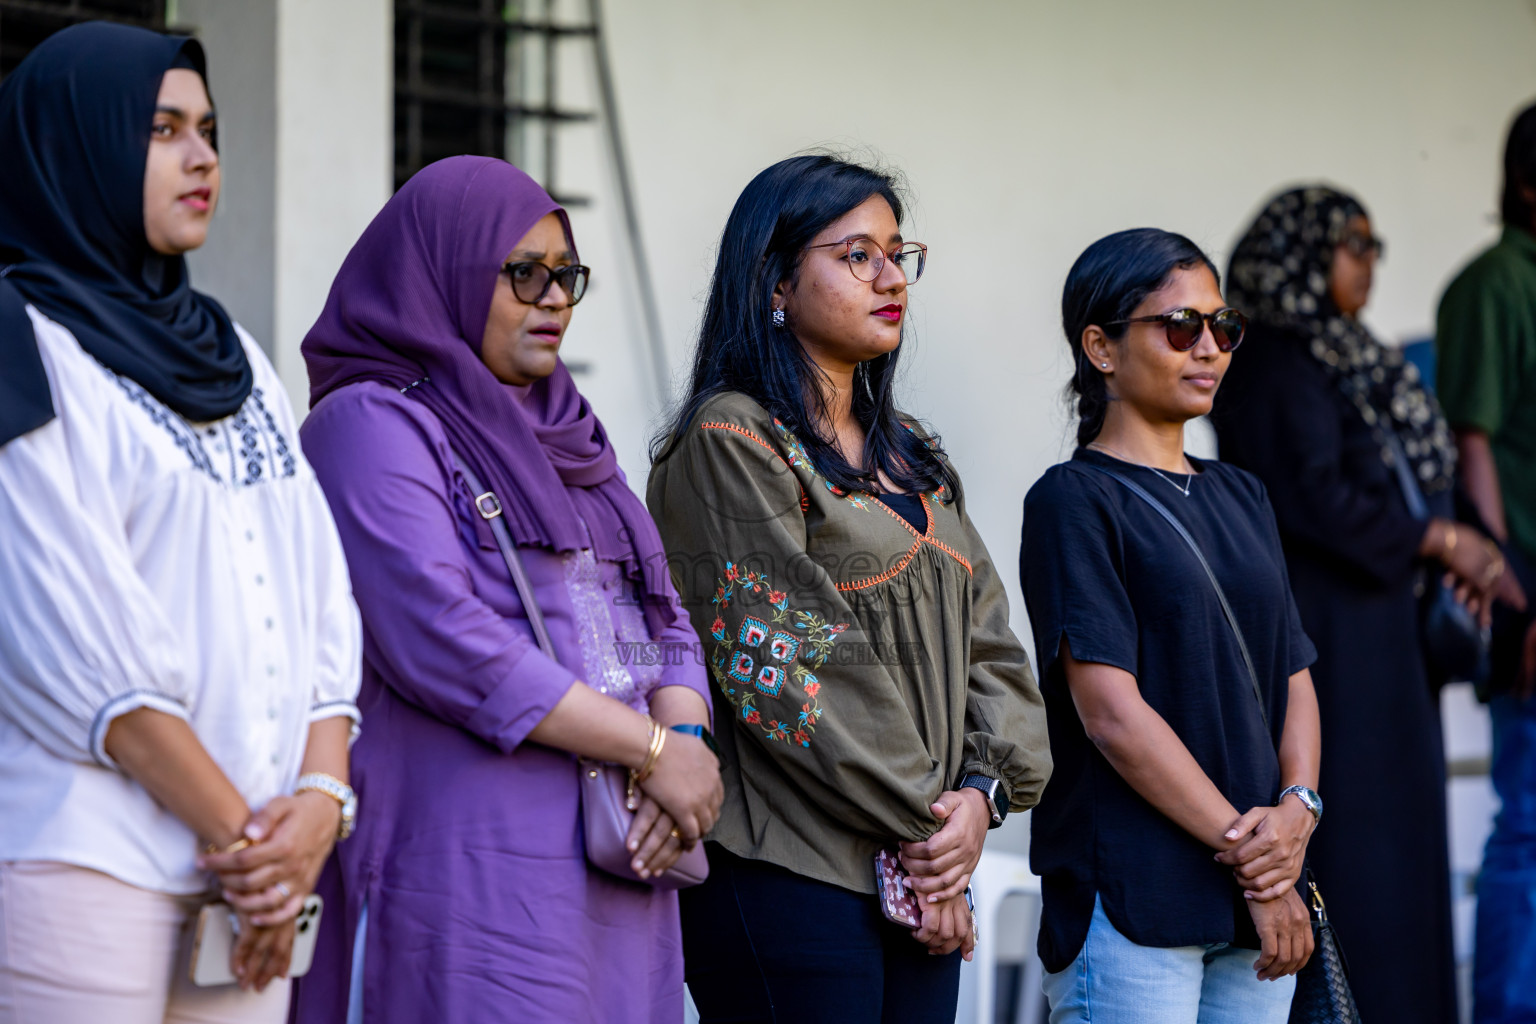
[[411, 302]]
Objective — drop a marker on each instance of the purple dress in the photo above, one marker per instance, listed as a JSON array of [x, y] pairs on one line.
[[468, 852]]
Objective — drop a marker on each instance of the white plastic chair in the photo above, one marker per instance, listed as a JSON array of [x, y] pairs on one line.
[[998, 876]]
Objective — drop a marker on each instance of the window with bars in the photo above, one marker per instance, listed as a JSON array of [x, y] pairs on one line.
[[480, 77], [25, 23]]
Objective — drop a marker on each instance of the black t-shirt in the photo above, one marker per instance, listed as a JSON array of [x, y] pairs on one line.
[[1103, 569]]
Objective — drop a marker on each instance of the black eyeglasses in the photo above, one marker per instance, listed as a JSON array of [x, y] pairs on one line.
[[530, 280], [866, 259], [1361, 245], [1184, 327]]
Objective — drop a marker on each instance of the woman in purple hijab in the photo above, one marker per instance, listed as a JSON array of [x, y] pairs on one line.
[[465, 894]]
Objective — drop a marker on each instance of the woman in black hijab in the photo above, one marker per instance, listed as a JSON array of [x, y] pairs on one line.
[[72, 230], [1321, 412], [178, 645]]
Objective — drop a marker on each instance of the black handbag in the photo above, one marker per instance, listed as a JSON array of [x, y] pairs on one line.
[[1322, 987], [1454, 641], [1322, 995]]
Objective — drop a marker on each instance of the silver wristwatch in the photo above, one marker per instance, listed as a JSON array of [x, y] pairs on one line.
[[1309, 799], [331, 786], [997, 803]]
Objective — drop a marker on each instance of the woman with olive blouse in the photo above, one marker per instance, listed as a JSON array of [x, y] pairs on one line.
[[868, 690]]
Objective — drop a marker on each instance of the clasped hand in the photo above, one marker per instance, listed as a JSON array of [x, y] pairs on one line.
[[940, 867], [678, 805], [1267, 847], [267, 882]]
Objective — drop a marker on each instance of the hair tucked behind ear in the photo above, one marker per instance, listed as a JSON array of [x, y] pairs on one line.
[[777, 215], [1108, 281]]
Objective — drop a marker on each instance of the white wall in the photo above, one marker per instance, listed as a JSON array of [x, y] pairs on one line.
[[1027, 130], [237, 264], [335, 103], [305, 95]]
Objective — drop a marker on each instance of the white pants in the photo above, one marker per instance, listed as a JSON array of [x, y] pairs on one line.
[[81, 947]]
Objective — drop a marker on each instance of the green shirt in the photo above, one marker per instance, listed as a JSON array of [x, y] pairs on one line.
[[1486, 355], [860, 667]]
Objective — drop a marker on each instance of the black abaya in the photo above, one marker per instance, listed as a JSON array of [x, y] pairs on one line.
[[1351, 547]]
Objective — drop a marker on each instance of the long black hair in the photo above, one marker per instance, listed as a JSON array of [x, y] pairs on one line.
[[1520, 170], [739, 349], [1108, 281]]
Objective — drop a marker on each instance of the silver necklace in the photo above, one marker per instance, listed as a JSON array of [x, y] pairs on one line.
[[1184, 489]]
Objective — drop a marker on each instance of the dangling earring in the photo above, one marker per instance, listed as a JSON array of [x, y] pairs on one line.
[[778, 318]]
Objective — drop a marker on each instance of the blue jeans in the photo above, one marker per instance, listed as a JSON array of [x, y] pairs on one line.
[[1115, 981], [1504, 967]]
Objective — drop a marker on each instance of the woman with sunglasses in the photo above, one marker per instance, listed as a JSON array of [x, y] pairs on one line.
[[871, 695], [1171, 838], [1315, 408], [466, 894]]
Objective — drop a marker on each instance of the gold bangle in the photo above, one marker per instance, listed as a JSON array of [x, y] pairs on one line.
[[1450, 539], [658, 739]]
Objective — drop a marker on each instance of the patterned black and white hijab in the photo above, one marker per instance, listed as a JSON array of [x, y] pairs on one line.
[[1279, 275]]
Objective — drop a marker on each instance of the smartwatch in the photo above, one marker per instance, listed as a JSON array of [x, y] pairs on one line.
[[992, 789], [694, 729], [1309, 799]]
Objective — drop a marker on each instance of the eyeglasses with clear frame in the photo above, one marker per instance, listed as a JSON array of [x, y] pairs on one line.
[[1363, 246], [866, 259], [531, 280]]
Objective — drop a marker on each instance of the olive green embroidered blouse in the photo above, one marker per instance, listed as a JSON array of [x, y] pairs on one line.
[[860, 668]]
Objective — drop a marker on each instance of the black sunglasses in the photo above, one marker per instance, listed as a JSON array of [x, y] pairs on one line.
[[1184, 327], [530, 280]]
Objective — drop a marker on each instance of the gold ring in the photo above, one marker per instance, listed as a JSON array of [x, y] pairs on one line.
[[676, 834]]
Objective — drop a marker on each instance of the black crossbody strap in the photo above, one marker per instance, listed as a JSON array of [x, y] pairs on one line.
[[1226, 609], [1413, 496], [489, 507]]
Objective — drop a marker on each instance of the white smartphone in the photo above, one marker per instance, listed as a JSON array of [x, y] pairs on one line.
[[214, 940]]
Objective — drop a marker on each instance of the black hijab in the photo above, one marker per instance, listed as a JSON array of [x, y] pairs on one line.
[[75, 120], [1279, 274]]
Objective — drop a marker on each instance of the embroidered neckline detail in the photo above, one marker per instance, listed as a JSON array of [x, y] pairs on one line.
[[258, 450], [801, 459], [160, 415], [797, 458]]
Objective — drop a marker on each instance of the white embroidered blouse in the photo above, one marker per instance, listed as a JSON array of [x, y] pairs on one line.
[[146, 561]]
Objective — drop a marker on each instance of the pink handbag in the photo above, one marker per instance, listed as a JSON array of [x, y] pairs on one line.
[[608, 795], [606, 798]]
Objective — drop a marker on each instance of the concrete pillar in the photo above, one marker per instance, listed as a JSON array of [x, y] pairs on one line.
[[304, 90]]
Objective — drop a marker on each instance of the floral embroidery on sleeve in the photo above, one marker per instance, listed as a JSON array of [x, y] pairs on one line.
[[764, 652]]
